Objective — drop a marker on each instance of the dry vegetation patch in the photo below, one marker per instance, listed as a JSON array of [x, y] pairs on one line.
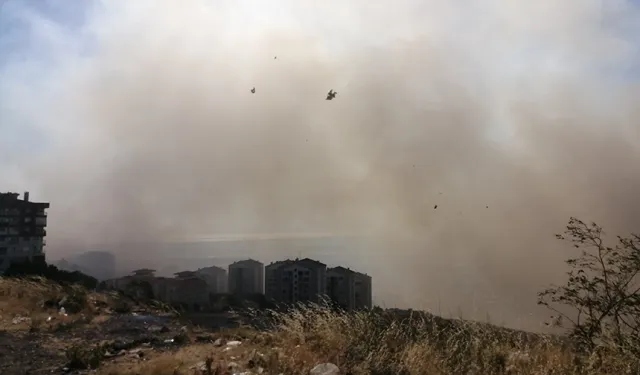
[[380, 343]]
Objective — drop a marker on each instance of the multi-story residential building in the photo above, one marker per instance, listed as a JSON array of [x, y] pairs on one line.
[[300, 280], [276, 287], [246, 277], [341, 287], [349, 289], [22, 229], [189, 289], [121, 283], [215, 277], [364, 292]]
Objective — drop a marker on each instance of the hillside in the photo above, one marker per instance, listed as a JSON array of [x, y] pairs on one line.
[[47, 328]]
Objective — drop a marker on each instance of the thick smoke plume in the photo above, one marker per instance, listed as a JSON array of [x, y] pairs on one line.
[[509, 115]]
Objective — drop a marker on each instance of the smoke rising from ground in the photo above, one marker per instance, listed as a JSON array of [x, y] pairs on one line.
[[509, 116]]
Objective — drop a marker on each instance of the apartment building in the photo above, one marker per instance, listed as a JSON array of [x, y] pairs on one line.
[[187, 288], [246, 277], [190, 290], [363, 291], [121, 283], [299, 280], [22, 229], [216, 278], [341, 287], [349, 289]]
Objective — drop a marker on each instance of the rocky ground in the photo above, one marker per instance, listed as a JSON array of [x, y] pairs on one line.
[[46, 328], [52, 330], [64, 342]]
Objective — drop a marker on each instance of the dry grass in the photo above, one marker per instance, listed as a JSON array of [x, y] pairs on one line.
[[359, 342], [33, 303], [372, 343]]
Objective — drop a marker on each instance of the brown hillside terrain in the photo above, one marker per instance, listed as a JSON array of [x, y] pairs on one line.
[[47, 328]]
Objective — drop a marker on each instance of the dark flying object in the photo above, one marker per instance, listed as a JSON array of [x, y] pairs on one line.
[[253, 90], [331, 95]]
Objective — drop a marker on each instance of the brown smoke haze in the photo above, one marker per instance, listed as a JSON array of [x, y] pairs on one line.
[[511, 116]]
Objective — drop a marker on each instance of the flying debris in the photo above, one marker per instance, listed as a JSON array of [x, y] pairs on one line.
[[275, 57], [253, 90], [487, 207], [436, 206], [331, 95]]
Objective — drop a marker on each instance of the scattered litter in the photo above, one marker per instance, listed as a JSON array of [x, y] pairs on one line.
[[49, 319], [169, 341], [201, 366], [233, 343], [325, 369], [20, 319], [63, 311]]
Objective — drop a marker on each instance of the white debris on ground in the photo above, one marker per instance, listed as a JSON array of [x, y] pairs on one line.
[[20, 319], [325, 369], [235, 365]]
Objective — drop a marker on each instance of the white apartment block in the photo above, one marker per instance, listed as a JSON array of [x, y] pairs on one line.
[[246, 277], [300, 280], [216, 278], [349, 289]]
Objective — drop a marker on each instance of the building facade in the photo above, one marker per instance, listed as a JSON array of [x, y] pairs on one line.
[[300, 280], [341, 287], [190, 290], [246, 277], [349, 289], [22, 229], [363, 291], [216, 278]]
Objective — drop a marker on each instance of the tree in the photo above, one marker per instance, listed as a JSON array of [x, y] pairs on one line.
[[602, 290]]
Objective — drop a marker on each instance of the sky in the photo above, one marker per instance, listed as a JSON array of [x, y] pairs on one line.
[[136, 121]]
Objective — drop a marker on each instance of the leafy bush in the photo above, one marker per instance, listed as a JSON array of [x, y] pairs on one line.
[[602, 291]]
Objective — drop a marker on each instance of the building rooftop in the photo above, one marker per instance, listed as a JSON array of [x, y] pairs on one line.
[[341, 270], [347, 270], [185, 274], [143, 271], [246, 262], [211, 268], [309, 260], [13, 200]]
